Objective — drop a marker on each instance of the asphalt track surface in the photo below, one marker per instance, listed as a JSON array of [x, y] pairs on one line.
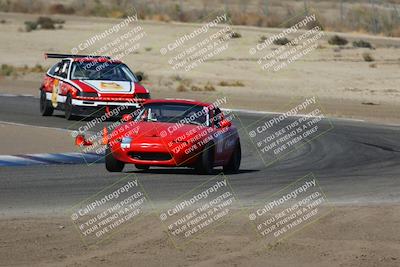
[[355, 162]]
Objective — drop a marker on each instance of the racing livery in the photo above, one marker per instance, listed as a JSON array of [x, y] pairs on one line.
[[82, 85], [174, 133]]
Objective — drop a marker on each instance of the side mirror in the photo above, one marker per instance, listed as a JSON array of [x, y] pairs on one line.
[[127, 117], [225, 124], [81, 141], [139, 77]]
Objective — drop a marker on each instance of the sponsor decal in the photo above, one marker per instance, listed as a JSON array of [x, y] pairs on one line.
[[54, 94], [112, 86]]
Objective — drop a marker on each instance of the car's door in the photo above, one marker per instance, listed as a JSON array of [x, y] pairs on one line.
[[60, 88]]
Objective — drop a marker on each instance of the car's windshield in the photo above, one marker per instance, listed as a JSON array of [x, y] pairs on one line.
[[174, 113], [102, 71]]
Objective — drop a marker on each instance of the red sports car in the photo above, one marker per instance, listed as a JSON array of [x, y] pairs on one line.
[[174, 133], [82, 85]]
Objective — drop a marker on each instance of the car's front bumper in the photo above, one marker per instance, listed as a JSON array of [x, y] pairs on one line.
[[152, 154]]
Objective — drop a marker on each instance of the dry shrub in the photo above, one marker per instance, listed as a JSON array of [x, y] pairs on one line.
[[209, 87], [233, 84], [281, 41], [368, 57], [46, 23], [362, 44], [337, 40], [196, 88], [181, 88], [234, 35], [7, 70]]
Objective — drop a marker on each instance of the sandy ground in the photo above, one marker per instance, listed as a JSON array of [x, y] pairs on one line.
[[346, 85], [348, 236], [24, 139]]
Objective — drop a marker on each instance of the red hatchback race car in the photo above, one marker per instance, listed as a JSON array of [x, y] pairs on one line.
[[175, 133], [81, 85]]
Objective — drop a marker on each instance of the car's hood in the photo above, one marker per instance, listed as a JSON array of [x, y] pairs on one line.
[[110, 86], [167, 131]]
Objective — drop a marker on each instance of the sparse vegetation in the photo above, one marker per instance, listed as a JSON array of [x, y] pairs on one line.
[[367, 57], [3, 21], [148, 49], [7, 70], [355, 15], [337, 40], [232, 84], [362, 44], [46, 23]]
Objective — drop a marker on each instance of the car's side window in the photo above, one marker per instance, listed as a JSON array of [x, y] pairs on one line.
[[63, 71], [53, 70], [218, 117]]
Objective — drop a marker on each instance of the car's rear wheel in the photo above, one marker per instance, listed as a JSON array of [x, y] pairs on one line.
[[205, 163], [46, 109], [142, 167], [112, 164], [234, 162], [69, 108]]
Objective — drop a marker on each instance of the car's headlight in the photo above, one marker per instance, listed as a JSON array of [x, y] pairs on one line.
[[126, 142]]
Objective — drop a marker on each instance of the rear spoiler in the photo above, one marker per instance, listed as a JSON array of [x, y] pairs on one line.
[[50, 55]]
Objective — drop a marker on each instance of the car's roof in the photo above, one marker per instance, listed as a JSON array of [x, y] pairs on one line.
[[177, 101]]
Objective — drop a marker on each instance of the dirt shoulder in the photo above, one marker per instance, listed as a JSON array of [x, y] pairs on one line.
[[348, 236]]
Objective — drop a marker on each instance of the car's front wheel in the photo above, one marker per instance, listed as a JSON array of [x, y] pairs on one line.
[[46, 109], [69, 108], [233, 164], [112, 164]]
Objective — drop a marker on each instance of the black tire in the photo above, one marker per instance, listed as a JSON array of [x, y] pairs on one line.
[[46, 109], [112, 164], [69, 108], [234, 162], [205, 163], [142, 167]]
